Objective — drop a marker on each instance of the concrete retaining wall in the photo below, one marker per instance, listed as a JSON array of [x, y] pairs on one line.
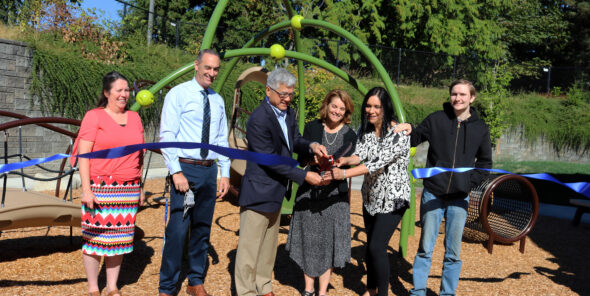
[[512, 146]]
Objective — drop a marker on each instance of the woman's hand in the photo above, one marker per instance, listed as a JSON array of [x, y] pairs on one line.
[[141, 197], [338, 174], [342, 161], [89, 199]]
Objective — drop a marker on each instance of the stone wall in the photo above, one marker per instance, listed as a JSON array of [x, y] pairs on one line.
[[514, 146], [15, 75], [15, 96]]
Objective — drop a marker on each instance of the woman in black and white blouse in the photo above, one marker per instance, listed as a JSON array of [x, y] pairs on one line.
[[382, 154]]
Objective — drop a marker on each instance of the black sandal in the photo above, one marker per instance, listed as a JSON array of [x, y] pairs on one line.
[[305, 293]]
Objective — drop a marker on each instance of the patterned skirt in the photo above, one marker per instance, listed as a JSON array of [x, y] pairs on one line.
[[108, 229]]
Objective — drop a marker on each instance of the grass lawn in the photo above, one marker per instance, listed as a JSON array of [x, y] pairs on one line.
[[550, 167], [547, 191]]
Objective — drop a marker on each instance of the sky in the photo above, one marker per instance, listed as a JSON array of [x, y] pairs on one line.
[[109, 8]]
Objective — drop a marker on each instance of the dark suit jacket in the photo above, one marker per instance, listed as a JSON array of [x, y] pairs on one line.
[[263, 187]]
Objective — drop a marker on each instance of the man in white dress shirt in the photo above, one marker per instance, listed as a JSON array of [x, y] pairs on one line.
[[193, 112]]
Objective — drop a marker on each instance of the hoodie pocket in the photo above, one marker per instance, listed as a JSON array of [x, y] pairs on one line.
[[461, 182]]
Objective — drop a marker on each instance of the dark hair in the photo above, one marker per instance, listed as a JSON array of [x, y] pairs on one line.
[[107, 84], [463, 81], [386, 107], [204, 51], [348, 104]]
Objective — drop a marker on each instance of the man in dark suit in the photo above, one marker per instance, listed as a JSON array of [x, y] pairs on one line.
[[272, 128]]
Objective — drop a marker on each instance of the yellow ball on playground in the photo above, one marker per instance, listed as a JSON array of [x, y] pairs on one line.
[[277, 51], [145, 98], [412, 151], [296, 22]]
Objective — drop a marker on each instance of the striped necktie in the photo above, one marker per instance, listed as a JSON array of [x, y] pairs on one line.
[[206, 124]]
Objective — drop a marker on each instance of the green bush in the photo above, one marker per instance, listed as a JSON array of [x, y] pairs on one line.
[[563, 122], [67, 84]]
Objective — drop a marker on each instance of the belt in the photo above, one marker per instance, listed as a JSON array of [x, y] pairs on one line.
[[206, 162]]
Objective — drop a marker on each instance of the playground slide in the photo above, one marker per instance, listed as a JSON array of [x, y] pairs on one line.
[[34, 209], [238, 166]]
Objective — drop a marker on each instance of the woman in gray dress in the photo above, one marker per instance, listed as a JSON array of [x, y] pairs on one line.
[[319, 235]]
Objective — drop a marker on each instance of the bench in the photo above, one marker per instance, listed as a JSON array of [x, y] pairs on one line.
[[583, 206]]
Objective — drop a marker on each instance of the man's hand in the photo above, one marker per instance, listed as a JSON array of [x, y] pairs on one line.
[[223, 186], [315, 160], [318, 149], [180, 182], [327, 177], [403, 127], [313, 178]]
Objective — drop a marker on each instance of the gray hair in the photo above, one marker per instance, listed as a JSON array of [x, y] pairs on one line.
[[204, 51], [280, 76]]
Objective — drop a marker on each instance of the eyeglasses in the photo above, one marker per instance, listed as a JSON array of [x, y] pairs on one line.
[[283, 95]]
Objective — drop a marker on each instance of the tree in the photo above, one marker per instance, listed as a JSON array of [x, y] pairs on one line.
[[167, 15], [9, 10], [536, 35], [30, 12], [451, 27], [578, 49]]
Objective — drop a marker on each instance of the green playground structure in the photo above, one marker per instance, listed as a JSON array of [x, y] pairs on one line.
[[145, 97]]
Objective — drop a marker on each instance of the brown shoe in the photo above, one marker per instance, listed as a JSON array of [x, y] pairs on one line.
[[197, 290], [114, 293]]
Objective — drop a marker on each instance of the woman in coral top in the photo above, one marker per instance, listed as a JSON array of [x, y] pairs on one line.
[[111, 188]]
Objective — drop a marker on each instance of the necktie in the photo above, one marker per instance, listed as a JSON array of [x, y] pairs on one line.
[[206, 124]]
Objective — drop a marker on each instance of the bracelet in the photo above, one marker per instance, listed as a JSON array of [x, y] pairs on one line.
[[344, 174]]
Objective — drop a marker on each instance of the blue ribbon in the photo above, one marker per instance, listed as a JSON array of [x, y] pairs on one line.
[[579, 187], [260, 158]]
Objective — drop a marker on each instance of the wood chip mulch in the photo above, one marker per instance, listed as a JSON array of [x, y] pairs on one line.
[[43, 261]]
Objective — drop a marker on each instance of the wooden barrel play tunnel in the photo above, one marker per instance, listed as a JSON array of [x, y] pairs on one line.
[[502, 208]]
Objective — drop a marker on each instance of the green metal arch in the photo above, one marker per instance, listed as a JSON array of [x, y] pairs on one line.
[[341, 32], [407, 221], [212, 26], [315, 23], [236, 53]]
